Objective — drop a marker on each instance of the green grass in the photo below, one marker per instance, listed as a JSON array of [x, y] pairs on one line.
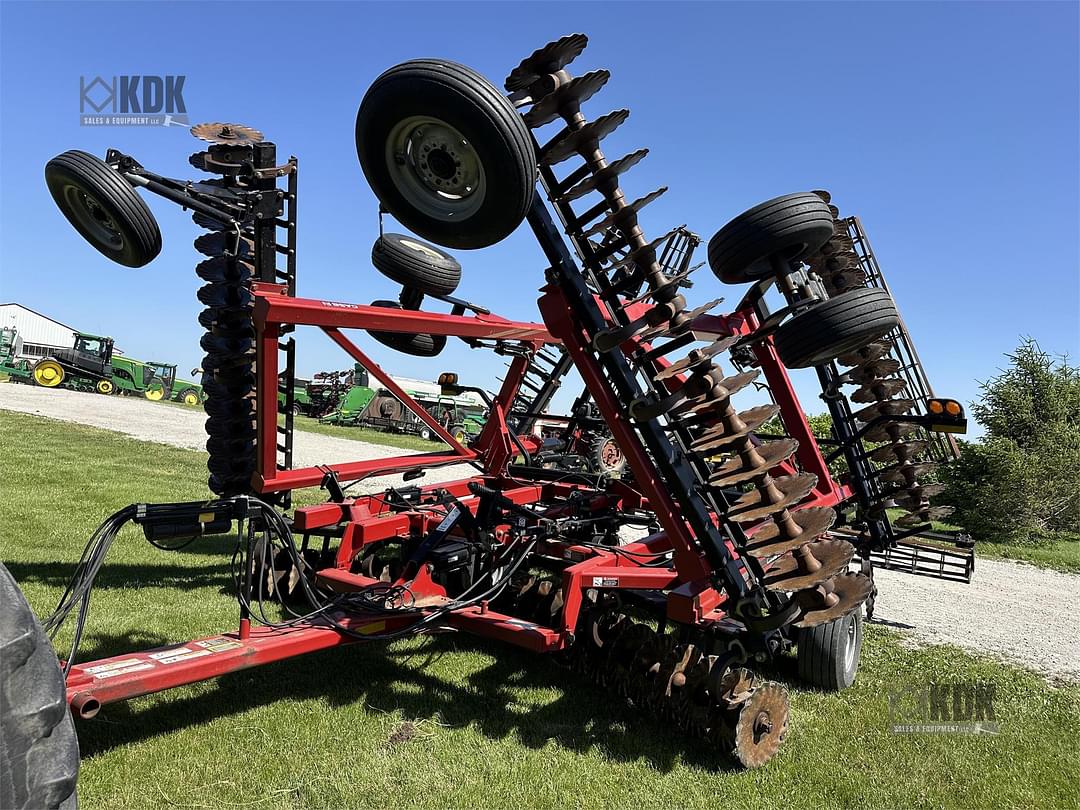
[[309, 425], [1059, 554], [491, 726]]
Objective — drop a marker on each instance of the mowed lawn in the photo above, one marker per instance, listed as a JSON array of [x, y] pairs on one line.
[[452, 721]]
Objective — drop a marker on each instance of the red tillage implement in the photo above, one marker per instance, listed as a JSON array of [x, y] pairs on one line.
[[722, 542]]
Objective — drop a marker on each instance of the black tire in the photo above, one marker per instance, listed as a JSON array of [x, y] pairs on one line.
[[39, 752], [836, 326], [103, 207], [422, 345], [828, 655], [496, 153], [793, 226], [415, 264]]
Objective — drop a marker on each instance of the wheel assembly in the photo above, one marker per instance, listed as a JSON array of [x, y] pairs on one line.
[[789, 228], [48, 373], [446, 153], [104, 208], [419, 345], [839, 325], [416, 265]]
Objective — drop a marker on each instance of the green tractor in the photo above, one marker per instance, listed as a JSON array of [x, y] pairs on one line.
[[167, 386], [86, 365], [17, 370]]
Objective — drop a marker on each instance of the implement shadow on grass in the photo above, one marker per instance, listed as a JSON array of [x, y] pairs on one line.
[[127, 575], [583, 716]]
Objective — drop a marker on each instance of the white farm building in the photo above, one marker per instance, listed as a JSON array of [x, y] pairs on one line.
[[38, 332]]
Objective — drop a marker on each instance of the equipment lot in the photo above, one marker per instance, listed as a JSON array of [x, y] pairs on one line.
[[1021, 613]]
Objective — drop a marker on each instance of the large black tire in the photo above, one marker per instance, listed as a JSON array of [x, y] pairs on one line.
[[828, 655], [422, 345], [103, 207], [836, 326], [39, 752], [446, 153], [793, 226], [415, 264]]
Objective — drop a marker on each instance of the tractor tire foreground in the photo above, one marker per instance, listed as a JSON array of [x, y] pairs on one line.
[[39, 753]]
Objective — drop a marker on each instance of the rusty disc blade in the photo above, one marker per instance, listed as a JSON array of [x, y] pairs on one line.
[[879, 390], [889, 432], [890, 407], [640, 257], [752, 506], [924, 516], [906, 472], [869, 352], [842, 282], [914, 496], [790, 571], [772, 539], [687, 321], [716, 438], [620, 217], [606, 175], [698, 357], [762, 724], [235, 134], [570, 96], [570, 142], [735, 470], [875, 370], [551, 58], [851, 591], [899, 451], [704, 408]]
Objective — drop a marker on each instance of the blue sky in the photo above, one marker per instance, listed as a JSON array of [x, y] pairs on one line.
[[950, 129]]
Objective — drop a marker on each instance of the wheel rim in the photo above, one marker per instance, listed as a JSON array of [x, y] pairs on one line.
[[93, 218], [435, 168], [610, 454], [424, 250], [105, 387], [191, 399], [852, 638], [155, 394], [48, 374]]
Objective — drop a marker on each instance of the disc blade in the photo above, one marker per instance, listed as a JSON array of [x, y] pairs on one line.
[[872, 351], [790, 571], [770, 539], [735, 469], [551, 58], [851, 591], [570, 96], [752, 506]]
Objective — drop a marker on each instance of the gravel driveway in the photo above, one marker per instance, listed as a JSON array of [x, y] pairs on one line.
[[1017, 612]]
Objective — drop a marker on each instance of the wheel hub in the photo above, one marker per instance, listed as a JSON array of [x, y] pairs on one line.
[[436, 168], [93, 217]]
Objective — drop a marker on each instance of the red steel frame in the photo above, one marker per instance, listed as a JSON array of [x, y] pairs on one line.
[[367, 519]]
